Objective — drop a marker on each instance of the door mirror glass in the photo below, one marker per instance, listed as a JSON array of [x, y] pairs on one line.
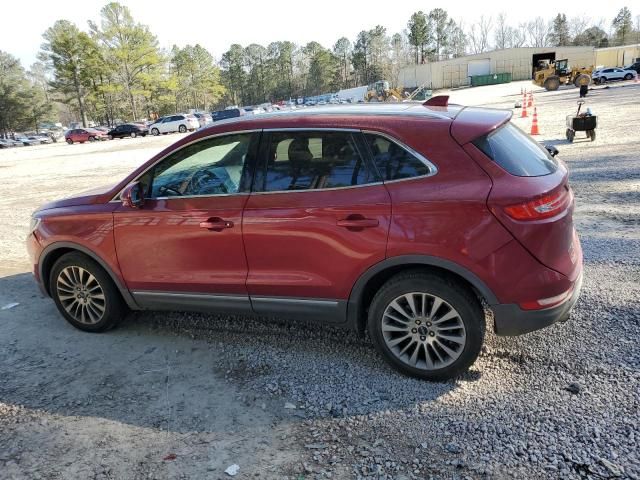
[[133, 196]]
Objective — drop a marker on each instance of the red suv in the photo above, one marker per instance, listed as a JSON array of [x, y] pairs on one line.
[[84, 135], [402, 219]]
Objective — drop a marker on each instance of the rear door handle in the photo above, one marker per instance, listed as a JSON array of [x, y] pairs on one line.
[[217, 224], [355, 222]]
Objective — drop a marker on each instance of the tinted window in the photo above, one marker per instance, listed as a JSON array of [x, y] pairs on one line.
[[314, 160], [516, 152], [209, 167], [394, 162]]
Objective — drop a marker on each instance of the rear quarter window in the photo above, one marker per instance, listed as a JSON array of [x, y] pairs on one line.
[[516, 152]]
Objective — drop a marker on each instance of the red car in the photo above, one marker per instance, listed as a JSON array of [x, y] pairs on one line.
[[82, 135], [402, 219]]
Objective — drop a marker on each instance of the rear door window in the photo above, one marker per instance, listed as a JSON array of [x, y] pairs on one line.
[[516, 152], [314, 161]]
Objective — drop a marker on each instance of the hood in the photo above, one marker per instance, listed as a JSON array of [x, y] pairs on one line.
[[88, 197]]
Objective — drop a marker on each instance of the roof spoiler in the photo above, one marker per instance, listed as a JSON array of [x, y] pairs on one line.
[[473, 122], [437, 101]]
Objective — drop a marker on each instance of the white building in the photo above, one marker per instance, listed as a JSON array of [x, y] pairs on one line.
[[519, 62]]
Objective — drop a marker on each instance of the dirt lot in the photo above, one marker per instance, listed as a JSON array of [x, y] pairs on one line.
[[186, 396]]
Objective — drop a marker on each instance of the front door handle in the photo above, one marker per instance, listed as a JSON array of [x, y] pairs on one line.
[[358, 221], [217, 224]]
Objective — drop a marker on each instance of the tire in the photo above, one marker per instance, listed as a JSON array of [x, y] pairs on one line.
[[133, 135], [109, 137], [92, 139], [552, 83], [69, 141], [96, 315], [592, 134], [570, 135], [628, 76], [182, 129], [420, 353], [602, 80], [155, 132], [582, 79]]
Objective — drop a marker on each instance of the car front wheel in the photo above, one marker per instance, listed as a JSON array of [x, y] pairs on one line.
[[628, 76], [85, 294], [69, 141], [182, 129], [155, 132], [426, 325], [133, 135]]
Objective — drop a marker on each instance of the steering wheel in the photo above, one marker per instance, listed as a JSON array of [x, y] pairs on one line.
[[170, 189], [202, 179]]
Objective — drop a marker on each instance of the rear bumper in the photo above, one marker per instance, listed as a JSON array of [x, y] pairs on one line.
[[511, 320]]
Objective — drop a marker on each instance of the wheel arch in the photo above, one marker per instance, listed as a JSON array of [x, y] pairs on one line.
[[370, 281], [54, 251]]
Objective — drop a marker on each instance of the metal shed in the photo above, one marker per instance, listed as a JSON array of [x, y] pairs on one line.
[[519, 62]]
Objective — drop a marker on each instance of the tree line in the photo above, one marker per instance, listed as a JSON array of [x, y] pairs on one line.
[[117, 71]]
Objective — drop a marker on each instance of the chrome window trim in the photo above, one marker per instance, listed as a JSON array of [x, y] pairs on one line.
[[117, 198], [432, 167], [316, 190]]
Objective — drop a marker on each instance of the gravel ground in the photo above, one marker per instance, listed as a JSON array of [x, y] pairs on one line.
[[298, 401]]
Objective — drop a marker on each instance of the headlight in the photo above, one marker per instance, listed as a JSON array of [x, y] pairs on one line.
[[35, 221]]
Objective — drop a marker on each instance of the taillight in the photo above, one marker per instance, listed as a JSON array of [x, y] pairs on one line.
[[544, 207]]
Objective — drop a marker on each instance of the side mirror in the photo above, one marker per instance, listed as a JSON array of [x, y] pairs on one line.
[[553, 151], [133, 196]]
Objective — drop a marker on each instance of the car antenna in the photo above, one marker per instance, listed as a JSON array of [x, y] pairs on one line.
[[437, 101]]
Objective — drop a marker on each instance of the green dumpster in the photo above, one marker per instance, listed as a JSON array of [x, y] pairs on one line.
[[491, 79]]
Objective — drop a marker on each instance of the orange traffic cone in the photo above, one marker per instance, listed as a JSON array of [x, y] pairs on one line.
[[534, 123], [530, 102], [524, 108]]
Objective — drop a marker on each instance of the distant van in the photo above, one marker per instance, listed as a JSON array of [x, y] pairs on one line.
[[224, 114]]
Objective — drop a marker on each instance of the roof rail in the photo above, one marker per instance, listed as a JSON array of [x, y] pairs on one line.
[[437, 101]]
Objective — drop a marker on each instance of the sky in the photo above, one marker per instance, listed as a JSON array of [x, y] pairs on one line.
[[217, 24]]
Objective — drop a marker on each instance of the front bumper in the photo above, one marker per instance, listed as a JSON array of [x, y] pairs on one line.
[[511, 320]]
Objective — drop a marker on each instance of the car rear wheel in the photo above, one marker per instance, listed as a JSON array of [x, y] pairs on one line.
[[85, 294], [426, 325], [182, 129], [155, 132]]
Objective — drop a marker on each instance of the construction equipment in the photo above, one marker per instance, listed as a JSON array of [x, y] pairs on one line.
[[381, 91], [551, 75]]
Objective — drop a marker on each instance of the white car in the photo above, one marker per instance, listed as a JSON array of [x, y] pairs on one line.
[[605, 74], [174, 123]]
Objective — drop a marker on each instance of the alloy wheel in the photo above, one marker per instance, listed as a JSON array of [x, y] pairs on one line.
[[423, 331], [81, 295]]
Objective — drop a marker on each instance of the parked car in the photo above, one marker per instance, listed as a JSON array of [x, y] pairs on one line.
[[28, 141], [132, 130], [40, 139], [9, 143], [634, 66], [82, 135], [227, 113], [204, 119], [400, 219], [606, 74], [174, 123]]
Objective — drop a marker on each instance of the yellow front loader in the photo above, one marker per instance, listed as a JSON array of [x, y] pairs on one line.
[[551, 75]]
